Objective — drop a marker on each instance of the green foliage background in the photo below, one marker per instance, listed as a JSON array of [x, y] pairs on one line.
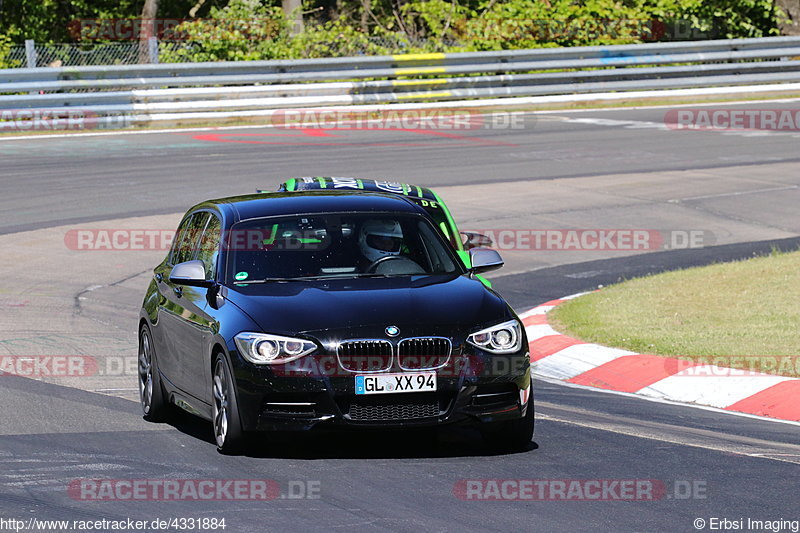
[[258, 29]]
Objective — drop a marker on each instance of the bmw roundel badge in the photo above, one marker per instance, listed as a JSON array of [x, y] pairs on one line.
[[392, 331]]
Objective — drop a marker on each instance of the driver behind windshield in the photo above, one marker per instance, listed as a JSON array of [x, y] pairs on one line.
[[380, 238], [333, 245], [382, 245]]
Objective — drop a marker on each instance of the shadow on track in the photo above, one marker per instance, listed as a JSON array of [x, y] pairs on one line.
[[452, 441]]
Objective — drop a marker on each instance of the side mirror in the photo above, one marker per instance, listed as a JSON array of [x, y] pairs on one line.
[[191, 273], [475, 240], [485, 260]]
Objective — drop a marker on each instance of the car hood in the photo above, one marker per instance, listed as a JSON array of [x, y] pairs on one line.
[[424, 305]]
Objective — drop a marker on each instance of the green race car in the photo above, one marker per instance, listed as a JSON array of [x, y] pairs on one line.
[[462, 242]]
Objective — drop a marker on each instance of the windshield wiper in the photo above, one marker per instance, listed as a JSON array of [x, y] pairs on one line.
[[312, 278], [256, 281], [298, 278]]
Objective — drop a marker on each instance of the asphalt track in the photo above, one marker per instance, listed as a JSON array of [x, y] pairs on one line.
[[598, 169]]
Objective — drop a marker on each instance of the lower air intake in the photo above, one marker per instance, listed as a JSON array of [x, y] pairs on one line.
[[393, 409]]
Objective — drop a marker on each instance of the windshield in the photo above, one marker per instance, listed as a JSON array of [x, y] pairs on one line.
[[341, 245]]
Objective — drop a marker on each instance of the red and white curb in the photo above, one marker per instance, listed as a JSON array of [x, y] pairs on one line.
[[563, 358]]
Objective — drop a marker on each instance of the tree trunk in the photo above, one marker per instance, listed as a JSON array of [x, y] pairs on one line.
[[293, 9], [366, 7], [149, 12]]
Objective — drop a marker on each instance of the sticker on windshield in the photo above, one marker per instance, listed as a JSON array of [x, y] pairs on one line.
[[240, 276]]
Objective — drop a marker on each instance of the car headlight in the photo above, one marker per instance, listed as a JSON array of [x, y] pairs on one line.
[[502, 338], [266, 349]]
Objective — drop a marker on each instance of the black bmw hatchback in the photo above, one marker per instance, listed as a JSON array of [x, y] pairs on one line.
[[289, 311]]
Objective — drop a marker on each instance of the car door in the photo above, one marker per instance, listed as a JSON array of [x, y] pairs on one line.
[[198, 366], [164, 326], [184, 320]]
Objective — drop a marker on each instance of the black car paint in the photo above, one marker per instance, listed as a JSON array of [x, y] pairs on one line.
[[191, 325]]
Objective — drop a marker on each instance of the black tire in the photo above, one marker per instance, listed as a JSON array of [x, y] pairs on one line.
[[225, 409], [151, 393], [514, 435]]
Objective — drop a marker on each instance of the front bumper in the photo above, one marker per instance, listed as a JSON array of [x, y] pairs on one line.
[[475, 387]]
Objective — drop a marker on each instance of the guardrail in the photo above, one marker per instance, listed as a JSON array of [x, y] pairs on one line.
[[173, 92]]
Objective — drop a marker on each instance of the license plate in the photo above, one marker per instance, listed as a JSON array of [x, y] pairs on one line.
[[394, 383]]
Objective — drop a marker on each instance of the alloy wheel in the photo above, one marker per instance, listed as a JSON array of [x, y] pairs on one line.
[[145, 373], [220, 403]]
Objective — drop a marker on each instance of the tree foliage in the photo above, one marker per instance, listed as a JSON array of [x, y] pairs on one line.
[[259, 29], [52, 21]]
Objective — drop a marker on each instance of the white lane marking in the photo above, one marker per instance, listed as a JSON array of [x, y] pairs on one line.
[[663, 433], [575, 360], [644, 124], [614, 122], [127, 132], [556, 381], [718, 390], [737, 193], [541, 310], [763, 133], [530, 312], [665, 106], [584, 275], [538, 331], [573, 296]]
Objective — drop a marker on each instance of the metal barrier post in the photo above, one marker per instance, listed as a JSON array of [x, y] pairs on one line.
[[30, 53], [30, 56], [152, 49]]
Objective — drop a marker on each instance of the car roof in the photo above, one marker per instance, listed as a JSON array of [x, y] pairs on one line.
[[357, 185], [238, 208]]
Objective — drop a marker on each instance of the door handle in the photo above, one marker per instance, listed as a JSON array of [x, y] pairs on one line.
[[178, 291]]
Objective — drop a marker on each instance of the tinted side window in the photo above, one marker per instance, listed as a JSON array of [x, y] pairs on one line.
[[437, 214], [178, 239], [188, 238], [209, 246], [439, 261]]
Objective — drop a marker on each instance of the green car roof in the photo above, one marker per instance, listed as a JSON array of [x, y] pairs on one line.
[[365, 184]]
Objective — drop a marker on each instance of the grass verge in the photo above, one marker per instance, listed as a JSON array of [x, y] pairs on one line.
[[744, 314]]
